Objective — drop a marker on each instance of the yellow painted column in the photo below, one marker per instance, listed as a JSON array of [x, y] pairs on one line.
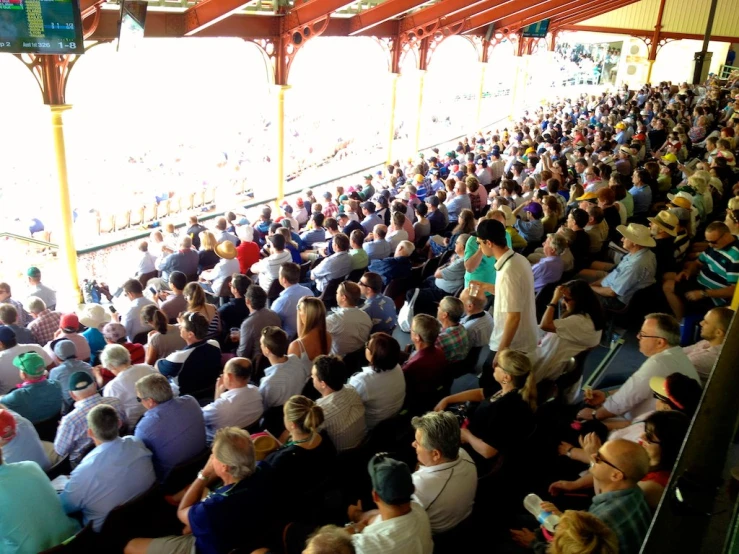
[[649, 70], [518, 94], [66, 245], [280, 91], [419, 114], [478, 117], [735, 300], [391, 123]]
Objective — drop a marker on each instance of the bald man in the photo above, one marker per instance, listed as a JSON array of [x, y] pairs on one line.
[[616, 467]]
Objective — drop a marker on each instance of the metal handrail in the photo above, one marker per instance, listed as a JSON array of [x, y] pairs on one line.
[[29, 240], [599, 372]]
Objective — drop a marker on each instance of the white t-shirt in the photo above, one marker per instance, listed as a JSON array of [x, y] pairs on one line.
[[447, 491], [382, 393], [573, 335], [408, 534], [514, 292], [123, 387]]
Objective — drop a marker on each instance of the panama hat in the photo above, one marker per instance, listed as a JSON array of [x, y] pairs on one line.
[[638, 234], [666, 221]]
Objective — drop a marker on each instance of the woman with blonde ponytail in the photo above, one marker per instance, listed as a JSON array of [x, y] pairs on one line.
[[503, 419], [305, 452]]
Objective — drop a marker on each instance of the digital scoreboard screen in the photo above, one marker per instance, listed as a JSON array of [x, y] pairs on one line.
[[41, 27]]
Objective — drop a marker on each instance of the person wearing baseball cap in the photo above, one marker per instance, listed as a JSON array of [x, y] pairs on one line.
[[69, 325], [66, 352], [37, 398], [403, 526], [530, 226], [19, 441], [115, 333], [39, 290], [72, 438], [676, 392], [635, 271]]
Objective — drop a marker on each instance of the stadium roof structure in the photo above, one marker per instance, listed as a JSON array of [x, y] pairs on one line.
[[281, 27]]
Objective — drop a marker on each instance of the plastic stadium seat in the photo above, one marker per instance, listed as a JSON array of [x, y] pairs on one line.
[[84, 542]]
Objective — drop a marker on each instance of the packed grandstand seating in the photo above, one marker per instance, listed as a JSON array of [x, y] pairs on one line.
[[394, 365]]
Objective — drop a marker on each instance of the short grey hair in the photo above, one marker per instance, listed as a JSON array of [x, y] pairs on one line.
[[115, 355], [234, 448], [453, 307], [35, 305], [156, 387], [667, 326], [104, 422], [439, 431], [558, 243]]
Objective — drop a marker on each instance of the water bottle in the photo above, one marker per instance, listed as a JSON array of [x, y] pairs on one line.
[[532, 503]]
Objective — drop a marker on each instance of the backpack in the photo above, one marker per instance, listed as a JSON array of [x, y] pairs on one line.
[[405, 317]]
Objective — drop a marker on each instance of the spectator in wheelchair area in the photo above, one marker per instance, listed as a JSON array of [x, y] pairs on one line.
[[503, 419]]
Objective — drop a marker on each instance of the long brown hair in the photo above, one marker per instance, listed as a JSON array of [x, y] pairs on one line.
[[151, 315], [315, 318]]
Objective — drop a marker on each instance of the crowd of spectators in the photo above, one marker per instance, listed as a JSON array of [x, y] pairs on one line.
[[271, 349]]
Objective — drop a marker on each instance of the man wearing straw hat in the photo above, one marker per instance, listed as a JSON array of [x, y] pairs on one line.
[[664, 230], [212, 279], [636, 270]]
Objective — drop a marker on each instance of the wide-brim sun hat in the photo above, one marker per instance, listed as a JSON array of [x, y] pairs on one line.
[[638, 234]]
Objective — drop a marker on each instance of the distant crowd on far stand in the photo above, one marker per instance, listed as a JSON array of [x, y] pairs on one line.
[[412, 343]]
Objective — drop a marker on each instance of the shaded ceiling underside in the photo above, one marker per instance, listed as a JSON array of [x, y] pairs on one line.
[[268, 19]]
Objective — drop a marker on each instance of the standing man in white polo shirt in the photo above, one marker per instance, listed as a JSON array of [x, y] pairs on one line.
[[514, 311], [446, 479]]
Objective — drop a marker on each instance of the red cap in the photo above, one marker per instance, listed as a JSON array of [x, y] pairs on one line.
[[7, 425], [69, 321]]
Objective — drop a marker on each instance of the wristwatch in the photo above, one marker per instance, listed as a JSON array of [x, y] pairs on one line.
[[704, 293], [595, 415], [202, 476]]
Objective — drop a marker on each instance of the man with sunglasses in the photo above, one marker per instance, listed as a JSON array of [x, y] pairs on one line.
[[710, 280], [617, 467]]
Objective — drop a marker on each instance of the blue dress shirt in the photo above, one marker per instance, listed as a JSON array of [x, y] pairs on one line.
[[335, 266], [112, 474], [286, 306], [635, 272], [174, 431]]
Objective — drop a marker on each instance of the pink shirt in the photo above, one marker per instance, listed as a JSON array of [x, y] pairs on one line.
[[703, 356]]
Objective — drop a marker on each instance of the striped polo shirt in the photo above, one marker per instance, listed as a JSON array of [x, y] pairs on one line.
[[720, 269]]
